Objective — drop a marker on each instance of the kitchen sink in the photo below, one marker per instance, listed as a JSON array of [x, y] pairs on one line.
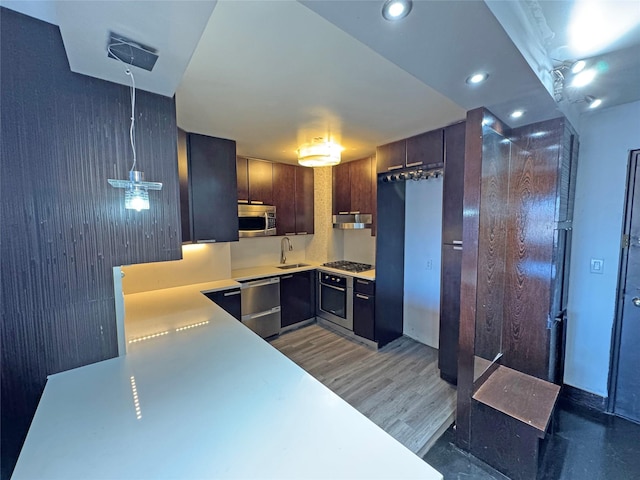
[[292, 265]]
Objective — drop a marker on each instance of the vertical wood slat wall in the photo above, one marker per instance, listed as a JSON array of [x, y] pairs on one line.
[[63, 226]]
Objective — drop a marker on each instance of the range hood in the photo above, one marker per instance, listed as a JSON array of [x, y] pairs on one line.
[[352, 221]]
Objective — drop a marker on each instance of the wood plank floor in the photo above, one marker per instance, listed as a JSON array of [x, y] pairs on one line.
[[397, 387]]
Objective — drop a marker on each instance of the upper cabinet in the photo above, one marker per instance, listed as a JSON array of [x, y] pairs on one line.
[[354, 188], [255, 181], [453, 186], [208, 196], [293, 199], [304, 200], [418, 151]]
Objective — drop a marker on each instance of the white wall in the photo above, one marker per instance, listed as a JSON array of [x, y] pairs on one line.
[[359, 246], [422, 258], [605, 140], [261, 251], [203, 262]]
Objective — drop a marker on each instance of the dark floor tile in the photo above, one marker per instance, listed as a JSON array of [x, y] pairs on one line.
[[455, 464], [583, 444]]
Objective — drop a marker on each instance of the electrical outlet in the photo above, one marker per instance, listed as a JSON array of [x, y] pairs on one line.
[[429, 265], [597, 265]]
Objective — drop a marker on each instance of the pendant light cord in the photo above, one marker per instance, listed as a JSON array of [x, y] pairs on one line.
[[132, 133]]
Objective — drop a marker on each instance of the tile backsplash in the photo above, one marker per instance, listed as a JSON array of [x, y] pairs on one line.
[[261, 251]]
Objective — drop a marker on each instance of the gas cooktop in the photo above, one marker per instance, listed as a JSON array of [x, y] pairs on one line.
[[348, 266]]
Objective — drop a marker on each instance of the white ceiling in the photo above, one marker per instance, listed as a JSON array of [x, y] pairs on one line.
[[273, 74]]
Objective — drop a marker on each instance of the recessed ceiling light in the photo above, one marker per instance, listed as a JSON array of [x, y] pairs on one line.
[[585, 77], [593, 102], [578, 66], [517, 113], [477, 78], [396, 9]]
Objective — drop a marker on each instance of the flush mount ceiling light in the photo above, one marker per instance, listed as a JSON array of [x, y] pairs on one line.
[[396, 9], [477, 78], [517, 113], [136, 195], [319, 153]]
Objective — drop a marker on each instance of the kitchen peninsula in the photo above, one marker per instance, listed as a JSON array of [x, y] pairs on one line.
[[204, 398]]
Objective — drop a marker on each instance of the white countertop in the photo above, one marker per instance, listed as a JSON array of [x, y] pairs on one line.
[[214, 401]]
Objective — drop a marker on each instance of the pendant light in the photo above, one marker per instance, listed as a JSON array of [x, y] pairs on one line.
[[136, 194]]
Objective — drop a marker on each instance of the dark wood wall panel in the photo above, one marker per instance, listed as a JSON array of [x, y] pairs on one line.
[[390, 262], [63, 226], [492, 243], [469, 277]]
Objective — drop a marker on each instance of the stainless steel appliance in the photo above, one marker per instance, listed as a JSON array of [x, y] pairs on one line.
[[256, 220], [261, 305], [348, 266], [335, 299], [352, 220]]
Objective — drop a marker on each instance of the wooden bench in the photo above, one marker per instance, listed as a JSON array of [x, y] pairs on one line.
[[510, 415]]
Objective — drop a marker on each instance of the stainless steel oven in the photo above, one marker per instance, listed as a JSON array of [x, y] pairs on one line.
[[335, 299]]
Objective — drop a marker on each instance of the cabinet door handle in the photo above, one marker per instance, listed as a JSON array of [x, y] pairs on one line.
[[289, 233], [343, 213], [301, 233], [235, 292], [243, 201], [457, 247], [354, 213], [206, 241], [257, 202], [457, 242], [286, 277], [414, 164], [363, 282], [395, 167], [364, 297]]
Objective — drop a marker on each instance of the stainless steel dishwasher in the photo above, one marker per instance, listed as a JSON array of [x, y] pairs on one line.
[[261, 305]]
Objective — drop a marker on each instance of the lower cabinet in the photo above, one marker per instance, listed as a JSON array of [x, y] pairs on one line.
[[364, 306], [297, 297], [228, 300]]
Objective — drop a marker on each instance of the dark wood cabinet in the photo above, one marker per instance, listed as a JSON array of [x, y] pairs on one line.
[[293, 199], [354, 187], [254, 181], [392, 156], [341, 177], [297, 297], [228, 300], [417, 151], [453, 184], [304, 200], [425, 149], [364, 308], [284, 194], [207, 169], [449, 312]]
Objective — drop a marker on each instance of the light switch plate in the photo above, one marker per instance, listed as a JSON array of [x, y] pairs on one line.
[[597, 265]]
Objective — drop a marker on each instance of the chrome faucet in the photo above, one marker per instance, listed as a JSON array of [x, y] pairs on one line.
[[285, 244]]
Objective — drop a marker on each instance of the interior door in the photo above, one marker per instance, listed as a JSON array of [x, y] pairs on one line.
[[627, 388]]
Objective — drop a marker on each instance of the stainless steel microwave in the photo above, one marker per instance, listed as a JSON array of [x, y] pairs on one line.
[[256, 220]]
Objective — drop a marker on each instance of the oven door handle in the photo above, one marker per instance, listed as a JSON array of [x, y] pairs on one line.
[[335, 288]]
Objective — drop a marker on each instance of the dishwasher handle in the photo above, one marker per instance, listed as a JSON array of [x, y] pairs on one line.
[[251, 316], [259, 283]]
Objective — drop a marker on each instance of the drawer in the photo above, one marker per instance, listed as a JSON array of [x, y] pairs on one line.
[[368, 287]]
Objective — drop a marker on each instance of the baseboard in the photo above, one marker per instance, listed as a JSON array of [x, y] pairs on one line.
[[583, 398]]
